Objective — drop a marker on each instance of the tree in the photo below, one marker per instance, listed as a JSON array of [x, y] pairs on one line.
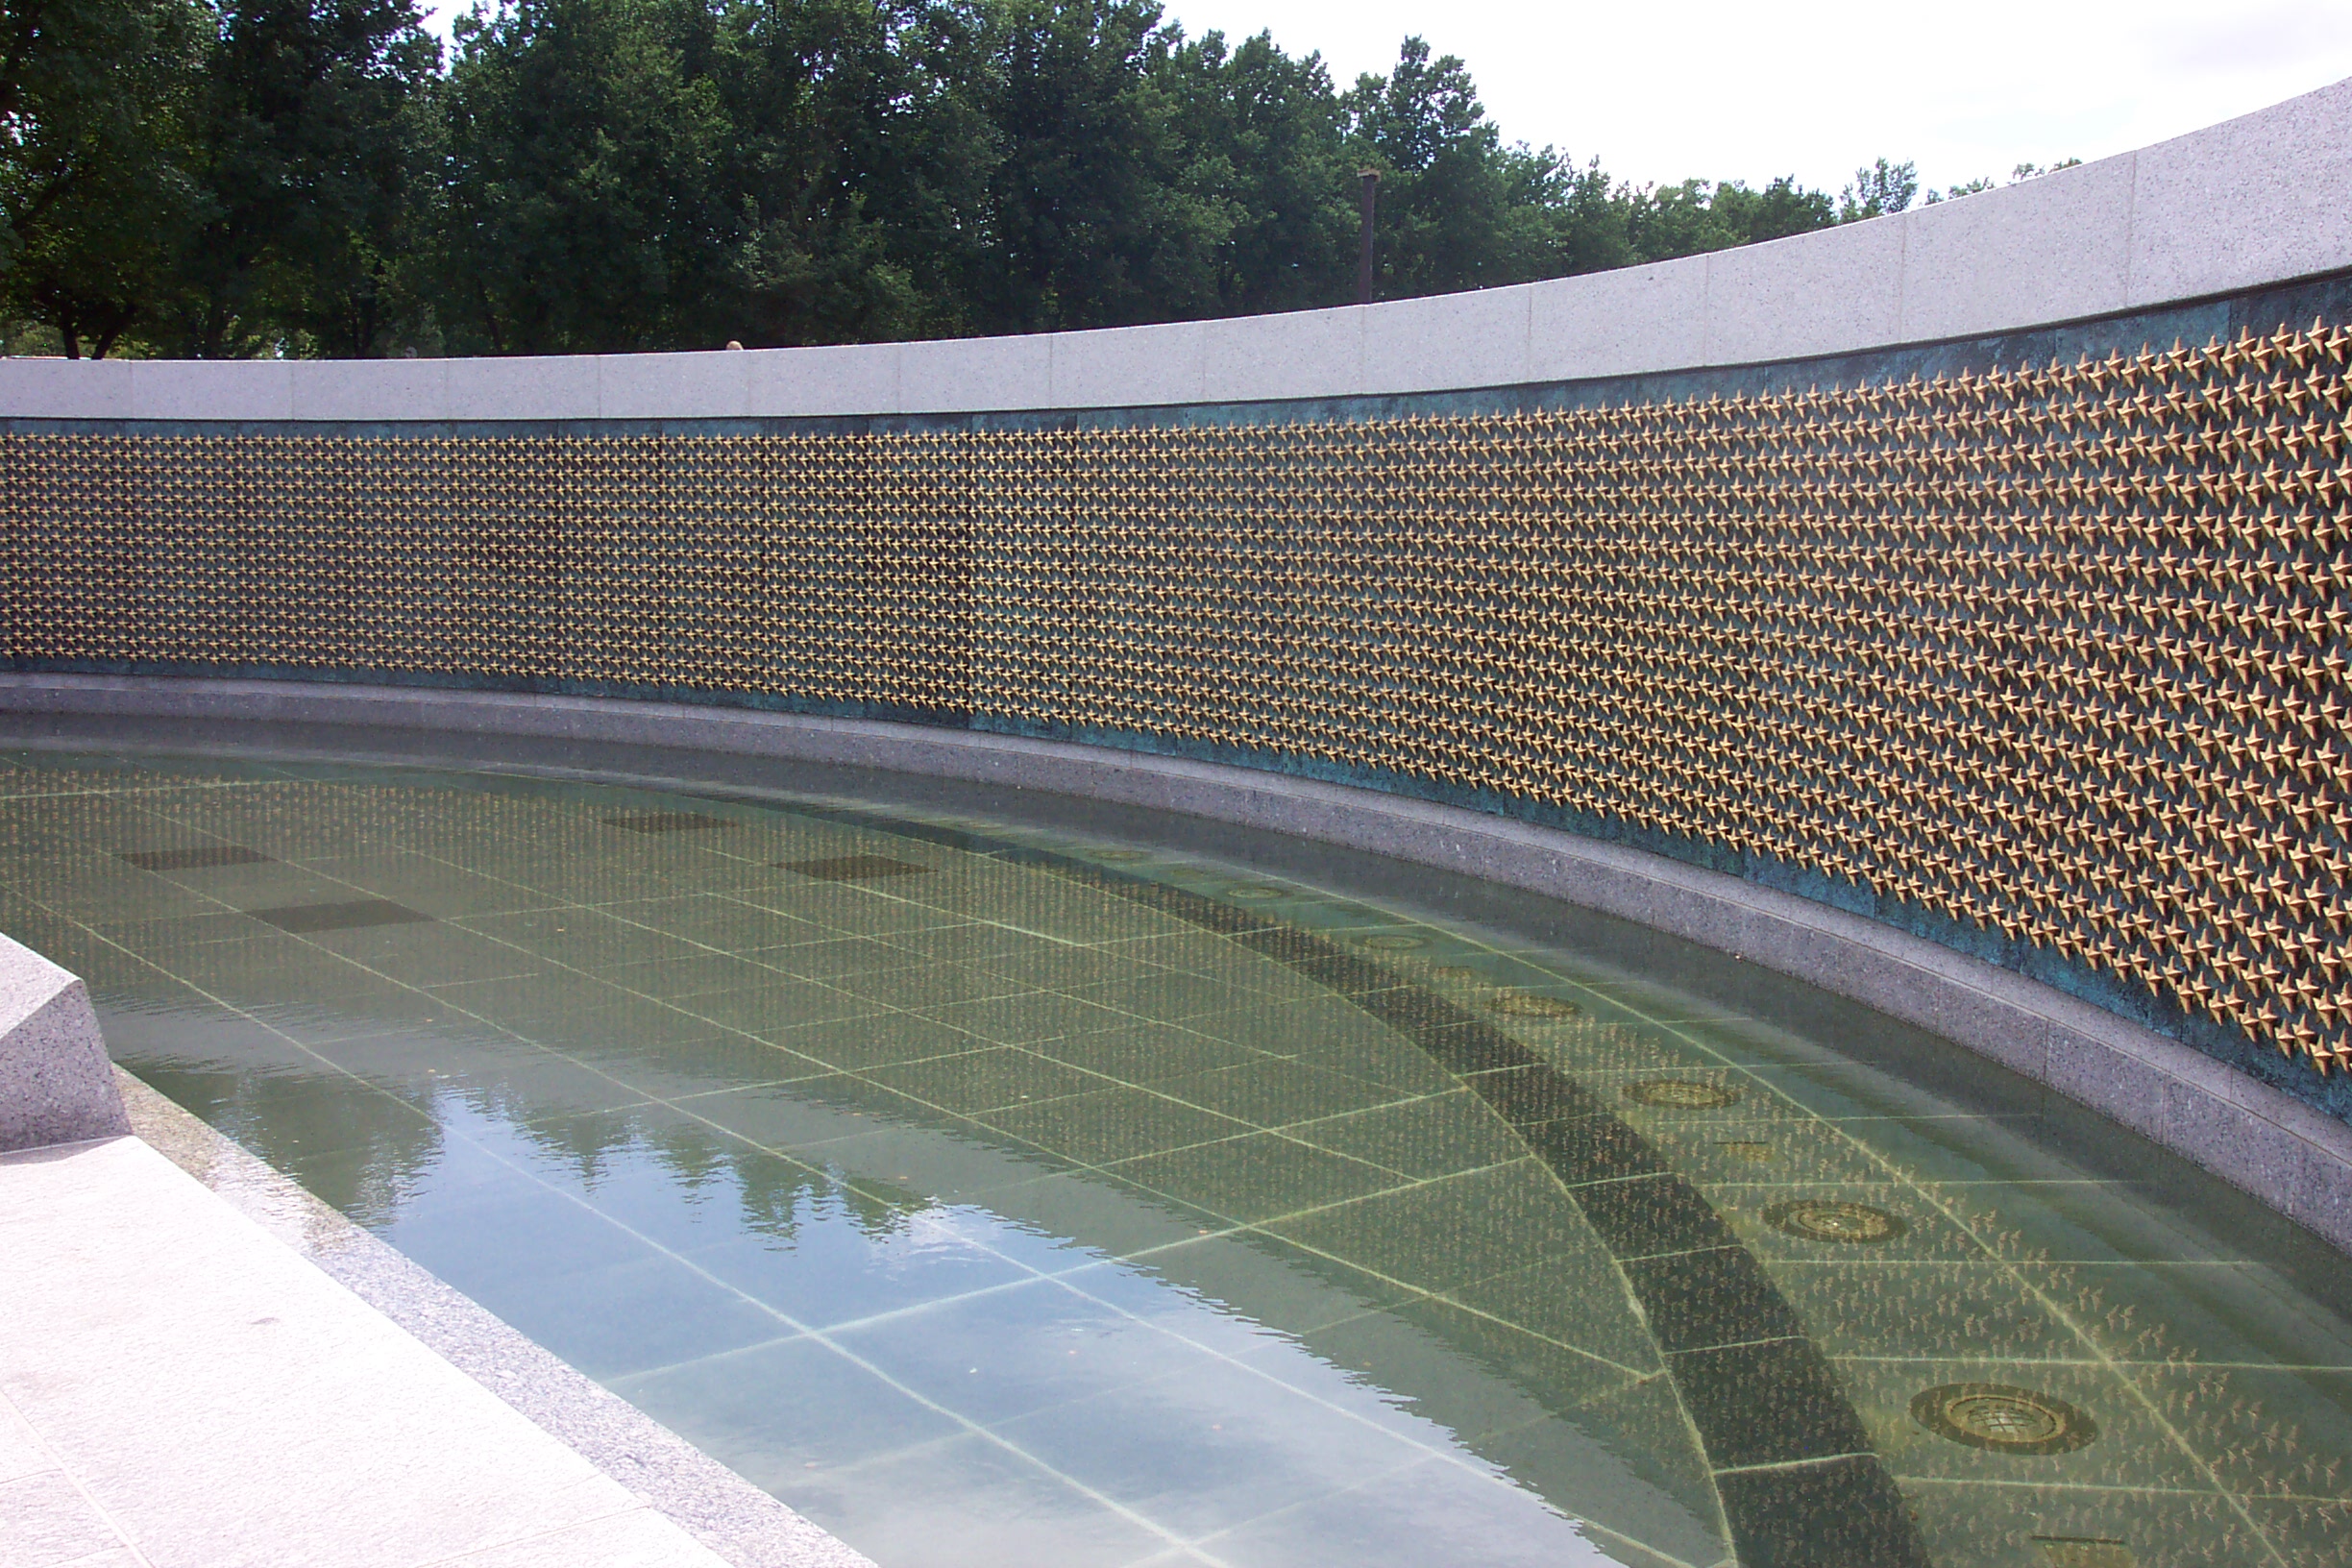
[[1696, 216], [583, 210], [95, 189], [309, 141], [2023, 172], [857, 161], [309, 177], [1264, 136], [1095, 215], [1881, 188], [1458, 208]]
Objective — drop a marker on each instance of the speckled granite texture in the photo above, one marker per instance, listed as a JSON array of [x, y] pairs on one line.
[[727, 1515], [56, 1085]]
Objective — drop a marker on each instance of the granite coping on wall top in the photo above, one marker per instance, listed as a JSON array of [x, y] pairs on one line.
[[2259, 309]]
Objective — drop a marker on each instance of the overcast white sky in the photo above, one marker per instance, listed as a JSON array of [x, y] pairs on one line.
[[1665, 89]]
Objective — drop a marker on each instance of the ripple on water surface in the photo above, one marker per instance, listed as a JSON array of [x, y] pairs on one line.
[[998, 1196]]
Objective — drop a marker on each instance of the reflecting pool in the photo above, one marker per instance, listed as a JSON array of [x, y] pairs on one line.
[[1003, 1182]]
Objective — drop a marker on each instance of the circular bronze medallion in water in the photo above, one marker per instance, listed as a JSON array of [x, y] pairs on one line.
[[1122, 857], [1530, 1004], [1822, 1220], [1389, 941], [2006, 1420], [1680, 1093], [1254, 890]]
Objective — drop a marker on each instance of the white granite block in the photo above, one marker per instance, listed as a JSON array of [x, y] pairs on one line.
[[20, 1451], [46, 1522], [57, 1085], [2255, 199], [2051, 249], [1828, 292], [211, 388], [847, 379], [1617, 322], [968, 375], [637, 1539], [371, 390], [548, 386], [64, 390], [716, 384], [1479, 338], [1298, 354], [1128, 366]]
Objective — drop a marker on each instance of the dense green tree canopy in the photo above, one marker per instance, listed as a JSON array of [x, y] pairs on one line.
[[311, 176], [98, 100]]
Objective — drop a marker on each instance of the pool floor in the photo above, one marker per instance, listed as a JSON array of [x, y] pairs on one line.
[[999, 1194]]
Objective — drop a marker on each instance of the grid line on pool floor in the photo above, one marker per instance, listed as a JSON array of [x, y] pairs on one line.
[[1273, 1061], [799, 1328], [804, 1332]]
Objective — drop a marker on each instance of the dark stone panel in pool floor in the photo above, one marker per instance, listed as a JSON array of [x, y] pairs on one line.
[[1530, 1094], [192, 859], [1720, 1296], [854, 868], [1411, 1009], [1226, 919], [1461, 1049], [1774, 1403], [346, 916], [1351, 977], [1843, 1514], [1287, 944], [1583, 1150], [667, 821], [1662, 1213]]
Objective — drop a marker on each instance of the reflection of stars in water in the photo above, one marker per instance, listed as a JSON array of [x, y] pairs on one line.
[[1835, 1221], [1529, 1004], [2085, 1551], [1680, 1093], [820, 1237]]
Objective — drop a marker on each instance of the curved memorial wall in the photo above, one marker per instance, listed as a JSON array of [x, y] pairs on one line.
[[1984, 570]]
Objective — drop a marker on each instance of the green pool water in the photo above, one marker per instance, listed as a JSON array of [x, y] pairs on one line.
[[1001, 1182]]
